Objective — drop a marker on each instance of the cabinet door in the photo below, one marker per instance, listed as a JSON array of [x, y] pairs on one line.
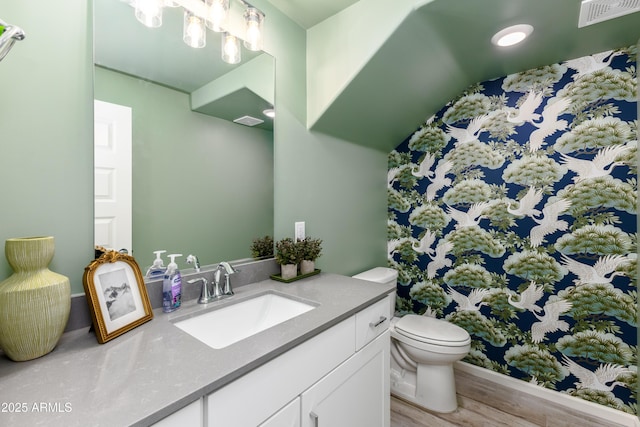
[[189, 416], [289, 416], [355, 394]]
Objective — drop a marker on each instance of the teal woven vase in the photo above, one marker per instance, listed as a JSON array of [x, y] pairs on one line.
[[34, 301]]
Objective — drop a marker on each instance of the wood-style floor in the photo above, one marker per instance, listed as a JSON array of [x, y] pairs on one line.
[[482, 403]]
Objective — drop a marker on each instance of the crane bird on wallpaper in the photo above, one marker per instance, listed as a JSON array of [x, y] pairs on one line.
[[550, 123], [424, 169], [549, 223], [469, 218], [440, 259], [528, 203], [528, 298], [392, 176], [470, 133], [598, 379], [424, 245], [440, 180], [550, 322], [526, 111], [591, 63], [601, 165], [472, 302], [394, 244], [603, 271]]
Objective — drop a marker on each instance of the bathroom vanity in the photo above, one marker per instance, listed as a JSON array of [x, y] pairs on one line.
[[327, 366]]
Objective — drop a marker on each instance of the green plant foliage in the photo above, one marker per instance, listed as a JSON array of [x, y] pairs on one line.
[[469, 275], [536, 80], [310, 249], [430, 294], [468, 191], [396, 159], [533, 170], [478, 358], [397, 202], [602, 84], [598, 346], [262, 247], [536, 266], [475, 153], [595, 240], [594, 134], [429, 216], [467, 107], [475, 239], [403, 306], [536, 362], [601, 298], [477, 324], [596, 193], [498, 301], [430, 139], [287, 252]]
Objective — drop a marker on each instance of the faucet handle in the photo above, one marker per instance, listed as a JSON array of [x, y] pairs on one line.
[[205, 296]]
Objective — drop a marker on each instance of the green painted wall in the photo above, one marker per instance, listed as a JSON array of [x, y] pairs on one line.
[[46, 147], [201, 185]]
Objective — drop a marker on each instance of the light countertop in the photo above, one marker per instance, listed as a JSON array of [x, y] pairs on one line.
[[156, 368]]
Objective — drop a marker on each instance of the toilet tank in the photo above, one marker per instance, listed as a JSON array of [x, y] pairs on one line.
[[379, 275], [384, 275]]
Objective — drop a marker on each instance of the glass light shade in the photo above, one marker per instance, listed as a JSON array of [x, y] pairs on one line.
[[253, 20], [149, 12], [217, 12], [194, 33], [231, 53]]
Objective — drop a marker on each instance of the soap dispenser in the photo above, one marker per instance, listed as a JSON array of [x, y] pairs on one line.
[[157, 269], [172, 286]]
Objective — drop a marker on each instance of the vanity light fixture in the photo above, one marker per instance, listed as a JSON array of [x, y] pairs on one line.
[[231, 53], [511, 35], [212, 14], [149, 12], [194, 33]]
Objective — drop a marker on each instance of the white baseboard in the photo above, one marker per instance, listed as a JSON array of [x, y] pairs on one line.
[[608, 415]]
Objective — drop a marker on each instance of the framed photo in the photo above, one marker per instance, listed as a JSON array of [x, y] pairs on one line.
[[116, 294]]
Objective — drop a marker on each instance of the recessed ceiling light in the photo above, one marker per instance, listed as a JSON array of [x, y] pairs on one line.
[[269, 112], [512, 35]]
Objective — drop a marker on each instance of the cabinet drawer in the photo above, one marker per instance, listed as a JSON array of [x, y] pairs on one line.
[[371, 322]]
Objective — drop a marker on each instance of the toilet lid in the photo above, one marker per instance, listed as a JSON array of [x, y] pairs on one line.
[[431, 330]]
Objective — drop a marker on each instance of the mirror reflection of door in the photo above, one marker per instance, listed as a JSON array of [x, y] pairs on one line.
[[112, 176]]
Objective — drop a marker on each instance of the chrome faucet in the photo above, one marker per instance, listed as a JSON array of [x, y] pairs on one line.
[[192, 259], [229, 270], [205, 296]]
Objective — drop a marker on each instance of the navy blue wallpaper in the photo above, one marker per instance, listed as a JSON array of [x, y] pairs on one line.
[[512, 213]]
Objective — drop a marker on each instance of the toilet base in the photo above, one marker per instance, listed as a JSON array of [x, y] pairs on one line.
[[435, 391]]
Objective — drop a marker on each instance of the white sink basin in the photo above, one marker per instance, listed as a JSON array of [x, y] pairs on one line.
[[222, 327]]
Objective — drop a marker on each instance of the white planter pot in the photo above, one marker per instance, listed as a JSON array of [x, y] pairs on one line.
[[307, 267], [288, 271]]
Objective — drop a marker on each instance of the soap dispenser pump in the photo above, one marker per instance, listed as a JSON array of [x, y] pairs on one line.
[[157, 269], [172, 286]]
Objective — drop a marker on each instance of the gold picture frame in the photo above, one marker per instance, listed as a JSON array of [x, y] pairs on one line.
[[116, 294]]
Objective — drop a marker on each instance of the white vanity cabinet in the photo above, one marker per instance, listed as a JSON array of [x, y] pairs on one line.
[[328, 381], [191, 416]]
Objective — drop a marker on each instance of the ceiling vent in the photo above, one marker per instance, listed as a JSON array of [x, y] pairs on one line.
[[248, 121], [594, 11]]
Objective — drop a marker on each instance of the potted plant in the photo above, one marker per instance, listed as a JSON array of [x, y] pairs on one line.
[[310, 250], [262, 247], [288, 256]]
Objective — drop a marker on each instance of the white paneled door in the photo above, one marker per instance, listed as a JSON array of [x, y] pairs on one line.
[[112, 176]]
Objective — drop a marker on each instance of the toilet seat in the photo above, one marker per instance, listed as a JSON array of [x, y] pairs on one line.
[[432, 331]]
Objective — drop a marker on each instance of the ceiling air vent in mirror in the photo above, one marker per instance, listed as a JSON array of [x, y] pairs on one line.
[[594, 11], [248, 121]]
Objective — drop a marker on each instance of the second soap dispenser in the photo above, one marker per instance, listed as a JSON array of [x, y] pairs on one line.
[[172, 286]]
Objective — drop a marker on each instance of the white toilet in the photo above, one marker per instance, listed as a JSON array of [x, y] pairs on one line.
[[423, 350]]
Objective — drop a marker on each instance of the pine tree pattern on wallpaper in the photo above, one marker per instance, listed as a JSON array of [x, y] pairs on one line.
[[512, 213]]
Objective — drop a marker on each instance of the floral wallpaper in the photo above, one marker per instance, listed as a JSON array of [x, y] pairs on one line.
[[512, 213]]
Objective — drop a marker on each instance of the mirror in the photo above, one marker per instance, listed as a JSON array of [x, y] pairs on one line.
[[201, 184]]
